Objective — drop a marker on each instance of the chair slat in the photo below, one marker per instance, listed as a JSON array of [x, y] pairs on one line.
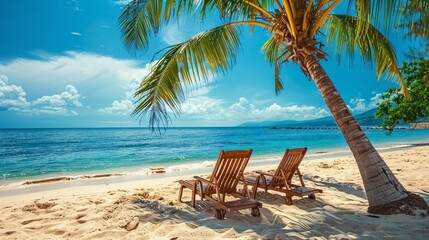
[[282, 179], [227, 171]]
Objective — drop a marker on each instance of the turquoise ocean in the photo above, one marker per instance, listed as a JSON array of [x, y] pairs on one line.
[[27, 154]]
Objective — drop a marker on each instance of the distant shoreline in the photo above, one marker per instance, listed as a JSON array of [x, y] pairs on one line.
[[336, 128], [192, 127]]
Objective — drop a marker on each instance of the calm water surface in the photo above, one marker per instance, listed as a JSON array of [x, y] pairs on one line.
[[39, 153]]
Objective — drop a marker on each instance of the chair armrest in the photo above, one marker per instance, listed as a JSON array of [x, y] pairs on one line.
[[269, 174], [264, 173], [205, 181]]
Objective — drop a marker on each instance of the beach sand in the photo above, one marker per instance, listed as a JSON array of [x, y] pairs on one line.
[[148, 209]]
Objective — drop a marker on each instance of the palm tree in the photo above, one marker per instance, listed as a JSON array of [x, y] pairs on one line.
[[295, 28]]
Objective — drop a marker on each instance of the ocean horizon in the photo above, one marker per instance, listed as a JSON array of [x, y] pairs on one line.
[[37, 153]]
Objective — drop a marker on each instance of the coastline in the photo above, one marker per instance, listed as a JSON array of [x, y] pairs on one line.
[[88, 153], [166, 171], [94, 208]]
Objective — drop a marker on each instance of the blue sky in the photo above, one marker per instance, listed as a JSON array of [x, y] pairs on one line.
[[63, 64]]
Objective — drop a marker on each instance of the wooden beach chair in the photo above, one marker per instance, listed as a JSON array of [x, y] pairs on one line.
[[281, 180], [227, 173]]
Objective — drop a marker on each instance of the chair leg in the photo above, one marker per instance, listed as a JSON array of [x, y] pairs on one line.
[[200, 185], [194, 192], [245, 191], [180, 193], [255, 212], [255, 187], [254, 190], [264, 183], [220, 214], [288, 200]]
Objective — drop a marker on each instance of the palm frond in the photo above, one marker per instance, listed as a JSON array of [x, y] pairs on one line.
[[233, 10], [415, 19], [190, 63], [140, 19], [383, 14], [322, 10], [343, 36], [272, 48], [278, 84], [275, 54]]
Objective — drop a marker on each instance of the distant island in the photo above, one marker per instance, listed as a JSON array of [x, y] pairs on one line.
[[365, 120]]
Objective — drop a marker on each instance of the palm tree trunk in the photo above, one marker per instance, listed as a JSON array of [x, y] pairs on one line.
[[380, 184]]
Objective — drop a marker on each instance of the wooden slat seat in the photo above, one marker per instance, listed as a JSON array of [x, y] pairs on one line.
[[227, 173], [304, 191], [240, 204], [281, 179]]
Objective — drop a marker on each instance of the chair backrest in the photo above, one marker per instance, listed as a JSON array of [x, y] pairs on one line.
[[228, 169], [289, 164]]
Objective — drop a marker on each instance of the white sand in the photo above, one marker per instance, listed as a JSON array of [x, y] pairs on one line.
[[151, 206]]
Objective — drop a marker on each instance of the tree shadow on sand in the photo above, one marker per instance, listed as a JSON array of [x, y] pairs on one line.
[[277, 220], [203, 215], [346, 187]]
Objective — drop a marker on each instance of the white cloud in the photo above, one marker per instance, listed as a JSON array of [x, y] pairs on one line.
[[196, 102], [242, 105], [69, 98], [359, 105], [131, 88], [205, 108], [200, 91], [123, 107], [83, 70], [13, 98], [375, 100], [171, 34], [202, 107], [57, 104], [181, 31], [101, 79], [293, 112], [76, 33], [104, 80]]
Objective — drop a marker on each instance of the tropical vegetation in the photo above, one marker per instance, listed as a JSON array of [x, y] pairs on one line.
[[415, 19], [298, 31], [395, 108]]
